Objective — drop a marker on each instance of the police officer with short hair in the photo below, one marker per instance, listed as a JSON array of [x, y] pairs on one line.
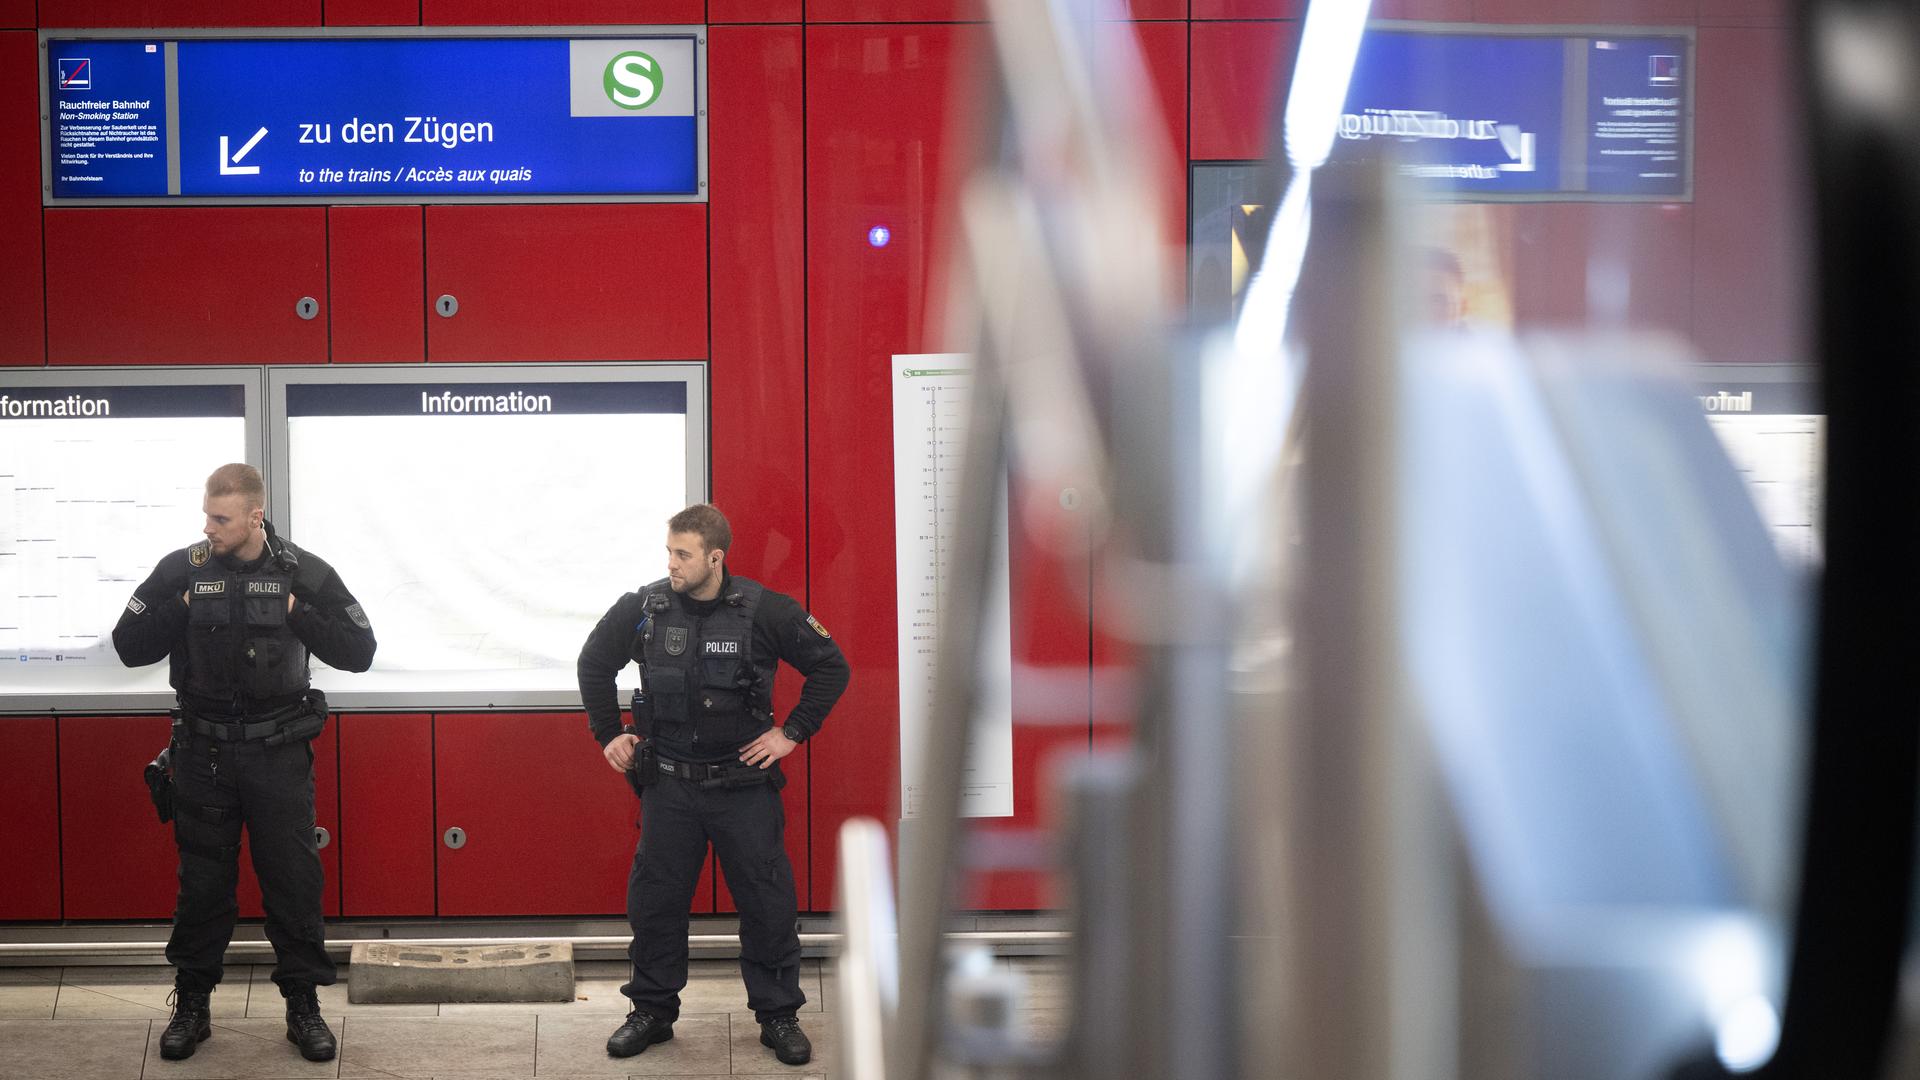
[[703, 751], [236, 615]]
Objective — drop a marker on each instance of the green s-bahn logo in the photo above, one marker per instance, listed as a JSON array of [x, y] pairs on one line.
[[632, 80]]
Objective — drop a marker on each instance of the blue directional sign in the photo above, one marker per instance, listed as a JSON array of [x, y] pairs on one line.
[[1474, 115], [392, 117]]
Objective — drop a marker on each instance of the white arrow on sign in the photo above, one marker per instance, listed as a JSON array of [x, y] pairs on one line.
[[231, 166]]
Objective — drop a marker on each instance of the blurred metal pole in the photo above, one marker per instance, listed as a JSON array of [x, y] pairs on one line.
[[1067, 296], [1188, 1015], [929, 863], [1102, 823], [868, 968], [1342, 820]]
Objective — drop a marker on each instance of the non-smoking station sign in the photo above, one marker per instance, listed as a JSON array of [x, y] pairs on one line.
[[393, 118]]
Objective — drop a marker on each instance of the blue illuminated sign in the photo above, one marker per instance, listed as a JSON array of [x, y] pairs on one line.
[[1636, 116], [108, 102], [394, 117], [1478, 113], [1519, 116]]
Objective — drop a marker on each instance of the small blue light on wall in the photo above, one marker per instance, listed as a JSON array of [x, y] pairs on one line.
[[878, 236]]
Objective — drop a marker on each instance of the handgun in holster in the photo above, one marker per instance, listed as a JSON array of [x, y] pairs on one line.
[[645, 770], [159, 777]]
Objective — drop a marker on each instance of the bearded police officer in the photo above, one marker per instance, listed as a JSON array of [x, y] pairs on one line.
[[703, 751], [237, 615]]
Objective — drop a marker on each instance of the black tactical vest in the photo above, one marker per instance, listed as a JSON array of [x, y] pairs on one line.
[[703, 687], [239, 646]]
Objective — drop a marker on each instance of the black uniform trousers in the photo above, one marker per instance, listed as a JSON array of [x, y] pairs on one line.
[[678, 818], [219, 787]]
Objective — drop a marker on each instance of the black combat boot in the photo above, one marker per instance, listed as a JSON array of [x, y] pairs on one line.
[[641, 1030], [305, 1027], [191, 1023], [789, 1043]]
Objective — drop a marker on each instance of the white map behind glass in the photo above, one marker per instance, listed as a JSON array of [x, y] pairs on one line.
[[930, 398], [485, 548], [1780, 456], [87, 507]]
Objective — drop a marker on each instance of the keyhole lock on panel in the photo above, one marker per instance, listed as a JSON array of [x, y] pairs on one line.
[[306, 307], [321, 837], [447, 306], [456, 838]]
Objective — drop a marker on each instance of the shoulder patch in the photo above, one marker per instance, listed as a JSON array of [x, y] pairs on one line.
[[197, 554], [135, 605], [817, 628], [359, 616]]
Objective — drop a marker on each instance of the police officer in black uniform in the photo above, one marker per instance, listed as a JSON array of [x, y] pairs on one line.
[[703, 751], [237, 615]]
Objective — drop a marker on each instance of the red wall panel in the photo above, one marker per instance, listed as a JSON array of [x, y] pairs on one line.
[[758, 237], [561, 12], [1609, 12], [326, 815], [185, 285], [877, 153], [376, 302], [23, 327], [1161, 49], [1115, 667], [119, 862], [893, 11], [1237, 70], [1431, 10], [549, 826], [1750, 263], [18, 14], [371, 12], [752, 11], [76, 13], [572, 282], [1746, 12], [387, 840], [1157, 9], [1249, 9], [758, 354], [30, 819], [1603, 265]]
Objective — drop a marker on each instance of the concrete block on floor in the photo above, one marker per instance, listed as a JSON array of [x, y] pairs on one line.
[[401, 973]]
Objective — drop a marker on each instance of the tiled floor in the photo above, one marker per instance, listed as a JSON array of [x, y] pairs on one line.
[[104, 1023]]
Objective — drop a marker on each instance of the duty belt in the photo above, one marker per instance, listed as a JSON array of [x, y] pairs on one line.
[[718, 774], [235, 732], [272, 724]]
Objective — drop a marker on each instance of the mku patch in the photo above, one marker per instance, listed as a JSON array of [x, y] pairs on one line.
[[209, 588], [135, 605]]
